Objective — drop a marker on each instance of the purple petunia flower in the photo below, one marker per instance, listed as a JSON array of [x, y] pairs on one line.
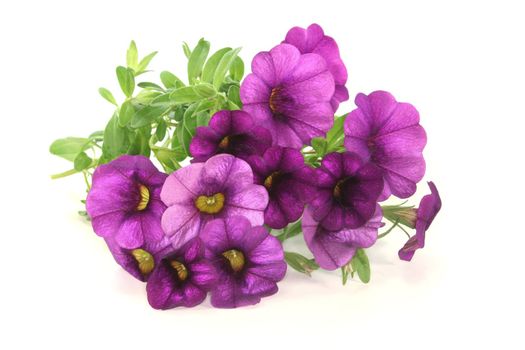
[[348, 189], [288, 180], [388, 134], [221, 187], [232, 132], [182, 278], [124, 201], [249, 261], [140, 262], [289, 94], [424, 215], [313, 40], [333, 249]]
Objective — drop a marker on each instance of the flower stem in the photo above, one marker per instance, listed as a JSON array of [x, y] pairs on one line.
[[64, 174]]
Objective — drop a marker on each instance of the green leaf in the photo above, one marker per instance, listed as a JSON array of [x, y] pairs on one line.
[[300, 263], [186, 94], [126, 80], [139, 142], [149, 85], [132, 55], [320, 145], [335, 136], [127, 111], [237, 69], [197, 59], [82, 161], [160, 132], [290, 231], [224, 66], [186, 49], [234, 95], [69, 147], [147, 115], [107, 95], [211, 65], [143, 64], [186, 130], [116, 140], [97, 135], [205, 90], [346, 271], [361, 265], [170, 80]]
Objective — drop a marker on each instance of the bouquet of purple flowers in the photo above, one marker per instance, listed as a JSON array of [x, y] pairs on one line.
[[269, 159]]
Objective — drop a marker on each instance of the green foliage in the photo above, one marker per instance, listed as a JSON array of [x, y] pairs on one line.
[[157, 119], [359, 264], [300, 263]]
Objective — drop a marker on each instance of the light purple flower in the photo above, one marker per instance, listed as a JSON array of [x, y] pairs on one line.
[[248, 260], [221, 187], [124, 201], [140, 261], [182, 278], [289, 94], [232, 132], [289, 182], [388, 133], [428, 209], [348, 189], [313, 40], [333, 249]]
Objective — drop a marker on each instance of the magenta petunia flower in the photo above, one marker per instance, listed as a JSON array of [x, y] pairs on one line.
[[313, 40], [289, 94], [182, 278], [249, 261], [140, 261], [333, 249], [429, 207], [348, 189], [232, 132], [124, 201], [289, 182], [388, 133], [221, 187]]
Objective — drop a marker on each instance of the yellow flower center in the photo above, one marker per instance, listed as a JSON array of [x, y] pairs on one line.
[[225, 142], [181, 270], [210, 204], [270, 180], [235, 258], [144, 260], [144, 198], [338, 189], [274, 99]]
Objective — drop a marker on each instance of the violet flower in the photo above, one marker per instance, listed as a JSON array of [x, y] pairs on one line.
[[249, 261], [289, 94], [388, 133], [313, 40], [424, 215], [221, 187], [333, 249], [141, 261], [348, 189], [182, 278], [288, 181], [232, 132], [124, 201]]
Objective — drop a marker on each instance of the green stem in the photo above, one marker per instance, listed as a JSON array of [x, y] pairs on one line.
[[88, 185], [389, 230], [64, 174]]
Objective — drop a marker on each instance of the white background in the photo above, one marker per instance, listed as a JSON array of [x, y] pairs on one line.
[[460, 63]]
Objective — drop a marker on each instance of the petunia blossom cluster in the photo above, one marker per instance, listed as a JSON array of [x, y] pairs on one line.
[[258, 176]]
